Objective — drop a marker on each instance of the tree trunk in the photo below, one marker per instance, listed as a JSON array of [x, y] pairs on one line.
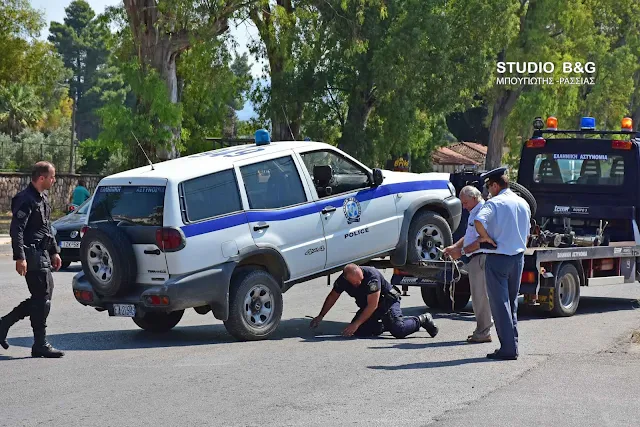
[[501, 109], [353, 140]]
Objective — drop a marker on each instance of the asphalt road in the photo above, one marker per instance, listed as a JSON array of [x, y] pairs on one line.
[[574, 371]]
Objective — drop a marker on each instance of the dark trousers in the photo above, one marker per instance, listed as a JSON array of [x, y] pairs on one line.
[[37, 307], [503, 274], [393, 321]]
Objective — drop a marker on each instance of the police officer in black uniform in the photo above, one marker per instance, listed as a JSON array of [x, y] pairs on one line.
[[379, 305], [36, 253]]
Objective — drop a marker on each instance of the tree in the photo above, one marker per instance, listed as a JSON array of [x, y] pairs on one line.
[[20, 108], [81, 41], [161, 31], [545, 33]]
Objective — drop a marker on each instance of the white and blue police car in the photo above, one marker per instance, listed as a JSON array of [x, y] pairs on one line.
[[230, 230]]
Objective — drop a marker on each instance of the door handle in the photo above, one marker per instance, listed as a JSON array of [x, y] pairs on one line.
[[152, 252], [328, 209], [261, 226]]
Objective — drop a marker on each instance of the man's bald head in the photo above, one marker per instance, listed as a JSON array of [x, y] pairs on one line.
[[43, 175], [353, 274]]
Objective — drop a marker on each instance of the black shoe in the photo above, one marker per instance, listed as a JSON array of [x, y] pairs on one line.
[[45, 350], [4, 330], [496, 355], [426, 321]]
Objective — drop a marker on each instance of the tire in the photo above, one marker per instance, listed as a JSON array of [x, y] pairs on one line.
[[159, 322], [461, 299], [65, 264], [248, 321], [566, 296], [522, 191], [429, 297], [108, 260], [427, 224]]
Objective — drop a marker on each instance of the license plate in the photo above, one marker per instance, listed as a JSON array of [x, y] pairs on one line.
[[125, 310], [74, 245]]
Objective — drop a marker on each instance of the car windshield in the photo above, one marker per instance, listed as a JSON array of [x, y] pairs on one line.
[[84, 208], [578, 169]]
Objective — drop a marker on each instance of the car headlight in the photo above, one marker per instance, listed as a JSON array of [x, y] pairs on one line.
[[53, 230], [452, 189]]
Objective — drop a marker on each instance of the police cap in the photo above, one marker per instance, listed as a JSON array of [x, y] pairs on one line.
[[493, 174]]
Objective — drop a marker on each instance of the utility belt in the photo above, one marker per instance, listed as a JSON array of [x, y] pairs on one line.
[[388, 299], [37, 254]]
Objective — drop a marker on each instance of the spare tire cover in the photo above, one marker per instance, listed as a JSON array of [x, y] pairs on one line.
[[108, 259]]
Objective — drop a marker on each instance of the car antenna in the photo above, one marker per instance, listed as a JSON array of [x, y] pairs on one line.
[[293, 138], [142, 149]]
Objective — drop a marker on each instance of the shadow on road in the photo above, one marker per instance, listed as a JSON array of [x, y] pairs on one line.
[[428, 365], [421, 345], [177, 337]]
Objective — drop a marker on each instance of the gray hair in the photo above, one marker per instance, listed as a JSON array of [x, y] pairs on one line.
[[471, 192]]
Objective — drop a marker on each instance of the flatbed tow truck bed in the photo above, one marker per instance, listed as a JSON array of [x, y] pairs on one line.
[[551, 277]]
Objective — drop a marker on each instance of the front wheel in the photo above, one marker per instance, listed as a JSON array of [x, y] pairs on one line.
[[428, 232], [255, 306], [159, 322]]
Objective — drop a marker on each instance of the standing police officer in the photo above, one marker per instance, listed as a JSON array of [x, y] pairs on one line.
[[35, 252], [379, 305], [504, 222]]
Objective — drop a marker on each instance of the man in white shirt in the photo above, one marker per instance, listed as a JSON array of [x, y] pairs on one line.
[[469, 246]]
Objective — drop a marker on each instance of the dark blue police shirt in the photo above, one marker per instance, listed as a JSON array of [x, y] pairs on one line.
[[373, 282]]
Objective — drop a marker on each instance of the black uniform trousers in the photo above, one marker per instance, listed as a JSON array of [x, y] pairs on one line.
[[37, 307], [393, 321]]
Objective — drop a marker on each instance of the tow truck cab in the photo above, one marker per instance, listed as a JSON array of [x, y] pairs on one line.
[[585, 181]]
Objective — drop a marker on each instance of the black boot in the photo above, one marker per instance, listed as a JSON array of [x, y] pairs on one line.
[[426, 321], [18, 313], [41, 348]]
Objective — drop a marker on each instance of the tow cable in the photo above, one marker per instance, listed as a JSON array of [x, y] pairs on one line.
[[454, 278]]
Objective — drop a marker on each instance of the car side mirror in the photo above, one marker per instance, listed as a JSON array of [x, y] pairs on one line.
[[377, 177]]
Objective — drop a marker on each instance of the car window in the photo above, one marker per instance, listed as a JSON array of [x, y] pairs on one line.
[[347, 176], [211, 195], [273, 184], [131, 204]]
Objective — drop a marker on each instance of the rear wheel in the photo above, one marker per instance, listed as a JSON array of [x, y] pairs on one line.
[[255, 306], [566, 295], [461, 299], [429, 297], [159, 322]]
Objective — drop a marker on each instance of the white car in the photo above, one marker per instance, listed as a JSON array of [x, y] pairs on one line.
[[230, 230]]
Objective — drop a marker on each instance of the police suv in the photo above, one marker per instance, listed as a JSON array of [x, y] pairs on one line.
[[230, 230]]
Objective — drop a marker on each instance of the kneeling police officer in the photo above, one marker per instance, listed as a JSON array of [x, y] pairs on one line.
[[379, 305], [35, 252]]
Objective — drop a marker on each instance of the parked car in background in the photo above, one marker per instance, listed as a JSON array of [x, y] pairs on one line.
[[67, 233]]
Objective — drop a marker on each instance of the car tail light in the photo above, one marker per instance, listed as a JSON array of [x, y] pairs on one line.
[[157, 300], [83, 230], [399, 272], [528, 277], [170, 239], [536, 143], [84, 295], [621, 145]]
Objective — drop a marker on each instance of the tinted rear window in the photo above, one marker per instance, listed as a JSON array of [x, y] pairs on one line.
[[137, 205], [578, 169], [211, 195]]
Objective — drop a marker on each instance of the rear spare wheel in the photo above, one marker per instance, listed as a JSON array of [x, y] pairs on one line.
[[108, 259]]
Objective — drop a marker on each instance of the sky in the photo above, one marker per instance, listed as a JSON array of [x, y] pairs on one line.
[[243, 33]]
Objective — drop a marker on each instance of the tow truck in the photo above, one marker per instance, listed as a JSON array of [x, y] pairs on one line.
[[582, 187]]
